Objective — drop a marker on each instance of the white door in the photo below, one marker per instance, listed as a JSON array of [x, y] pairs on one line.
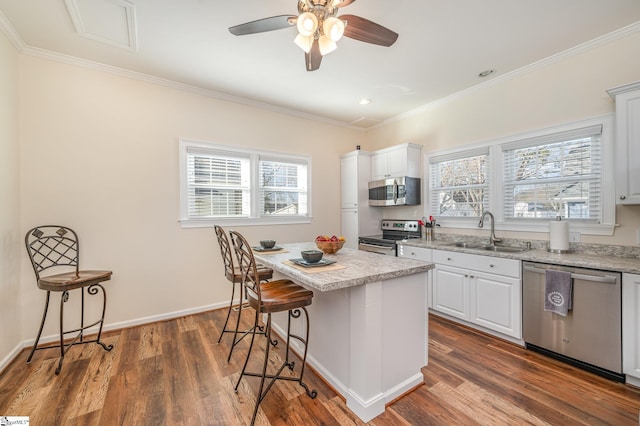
[[350, 228], [349, 181], [628, 148], [451, 291], [630, 326], [496, 303]]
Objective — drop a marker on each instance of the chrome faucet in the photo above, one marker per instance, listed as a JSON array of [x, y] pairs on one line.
[[492, 239]]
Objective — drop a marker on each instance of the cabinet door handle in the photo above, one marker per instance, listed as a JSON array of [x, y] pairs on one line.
[[623, 197], [471, 276], [466, 276], [449, 259], [492, 265]]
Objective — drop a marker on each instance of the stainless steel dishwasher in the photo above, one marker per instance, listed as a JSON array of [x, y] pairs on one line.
[[590, 336]]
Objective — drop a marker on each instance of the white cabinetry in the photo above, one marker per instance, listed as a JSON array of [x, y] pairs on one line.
[[481, 290], [451, 291], [357, 217], [395, 161], [631, 328], [424, 254], [627, 145], [417, 253], [350, 184]]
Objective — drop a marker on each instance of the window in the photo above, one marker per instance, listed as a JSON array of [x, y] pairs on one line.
[[283, 188], [554, 175], [460, 183], [228, 185], [526, 180]]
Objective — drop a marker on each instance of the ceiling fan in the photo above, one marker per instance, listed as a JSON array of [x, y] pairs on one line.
[[319, 28]]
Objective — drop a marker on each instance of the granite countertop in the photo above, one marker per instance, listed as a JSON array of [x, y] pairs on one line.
[[361, 267], [607, 258]]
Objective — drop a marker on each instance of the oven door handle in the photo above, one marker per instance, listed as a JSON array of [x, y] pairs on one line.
[[608, 279], [376, 246]]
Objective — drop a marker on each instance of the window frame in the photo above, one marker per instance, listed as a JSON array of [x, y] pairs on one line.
[[255, 217], [435, 160], [606, 223]]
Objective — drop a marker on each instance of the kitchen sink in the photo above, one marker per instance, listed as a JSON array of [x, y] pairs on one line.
[[505, 249], [498, 249], [466, 245]]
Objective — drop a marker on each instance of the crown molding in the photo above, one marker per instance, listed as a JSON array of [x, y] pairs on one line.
[[11, 33], [151, 79], [623, 89], [18, 43], [558, 57]]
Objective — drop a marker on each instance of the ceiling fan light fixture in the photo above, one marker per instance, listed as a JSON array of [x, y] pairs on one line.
[[307, 23], [304, 42], [333, 28], [326, 45]]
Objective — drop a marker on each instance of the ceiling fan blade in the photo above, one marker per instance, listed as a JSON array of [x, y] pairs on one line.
[[313, 58], [364, 30], [345, 3], [262, 25]]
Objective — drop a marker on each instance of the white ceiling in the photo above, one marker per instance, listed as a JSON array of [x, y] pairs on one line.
[[443, 45]]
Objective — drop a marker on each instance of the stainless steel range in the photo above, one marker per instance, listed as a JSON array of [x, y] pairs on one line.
[[393, 230]]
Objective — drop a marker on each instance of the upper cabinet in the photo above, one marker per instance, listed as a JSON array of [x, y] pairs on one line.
[[355, 173], [627, 145], [395, 161]]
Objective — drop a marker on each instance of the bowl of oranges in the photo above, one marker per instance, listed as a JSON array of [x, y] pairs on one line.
[[329, 244]]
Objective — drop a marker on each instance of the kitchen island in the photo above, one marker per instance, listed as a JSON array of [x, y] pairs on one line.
[[368, 330]]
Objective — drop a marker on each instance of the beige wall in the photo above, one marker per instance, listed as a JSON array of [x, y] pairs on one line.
[[99, 153], [569, 90], [10, 233]]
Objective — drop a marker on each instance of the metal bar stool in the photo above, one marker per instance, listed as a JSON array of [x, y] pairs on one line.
[[274, 296], [234, 275], [52, 246]]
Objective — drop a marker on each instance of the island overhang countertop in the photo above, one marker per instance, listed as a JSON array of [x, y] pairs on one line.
[[360, 267]]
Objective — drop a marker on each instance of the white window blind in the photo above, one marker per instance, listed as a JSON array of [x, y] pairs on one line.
[[218, 184], [556, 174], [228, 185], [459, 183]]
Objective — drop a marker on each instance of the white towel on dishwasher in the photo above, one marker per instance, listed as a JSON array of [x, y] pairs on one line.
[[558, 292]]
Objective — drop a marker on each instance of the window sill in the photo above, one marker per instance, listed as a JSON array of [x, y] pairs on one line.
[[541, 227], [209, 222]]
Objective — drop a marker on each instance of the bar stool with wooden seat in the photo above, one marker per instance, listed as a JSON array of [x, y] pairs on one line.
[[274, 296], [57, 248], [234, 276]]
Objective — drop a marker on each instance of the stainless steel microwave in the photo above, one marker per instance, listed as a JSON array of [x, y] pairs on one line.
[[400, 191]]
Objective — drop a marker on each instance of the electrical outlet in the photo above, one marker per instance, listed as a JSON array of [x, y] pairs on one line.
[[574, 237]]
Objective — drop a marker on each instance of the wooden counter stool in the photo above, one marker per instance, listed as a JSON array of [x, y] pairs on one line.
[[57, 248], [234, 276], [268, 298]]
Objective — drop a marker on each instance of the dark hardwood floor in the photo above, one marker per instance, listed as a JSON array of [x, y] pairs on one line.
[[174, 373]]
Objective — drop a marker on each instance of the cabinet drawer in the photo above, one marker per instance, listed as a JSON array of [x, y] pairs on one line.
[[488, 264], [417, 253]]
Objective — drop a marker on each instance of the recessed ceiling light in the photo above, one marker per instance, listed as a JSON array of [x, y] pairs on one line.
[[486, 73], [365, 101]]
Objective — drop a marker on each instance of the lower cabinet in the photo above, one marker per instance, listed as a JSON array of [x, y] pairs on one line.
[[481, 290], [451, 291], [631, 327]]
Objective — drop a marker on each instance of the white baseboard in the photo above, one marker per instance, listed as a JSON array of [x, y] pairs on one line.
[[113, 326]]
